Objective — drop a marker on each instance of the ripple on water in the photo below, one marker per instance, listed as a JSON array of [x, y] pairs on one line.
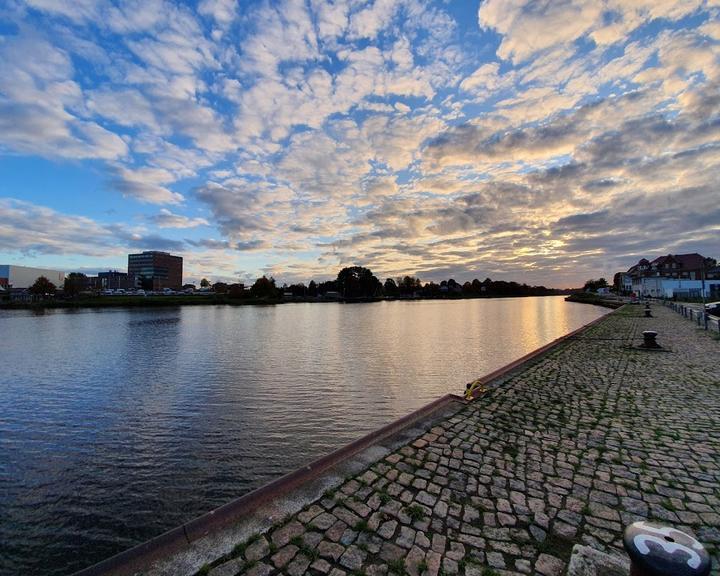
[[118, 425]]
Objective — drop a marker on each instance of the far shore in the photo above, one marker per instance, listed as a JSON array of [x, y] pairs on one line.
[[213, 300]]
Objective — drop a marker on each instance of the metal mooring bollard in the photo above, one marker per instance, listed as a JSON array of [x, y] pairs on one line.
[[649, 339], [647, 311], [656, 550]]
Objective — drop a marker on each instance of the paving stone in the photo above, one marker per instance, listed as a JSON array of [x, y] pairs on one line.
[[310, 513], [406, 538], [323, 521], [298, 566], [330, 550], [495, 560], [413, 560], [230, 568], [260, 569], [548, 565], [353, 558], [336, 531], [387, 529], [284, 555], [390, 552], [257, 550], [322, 566], [449, 566], [284, 534]]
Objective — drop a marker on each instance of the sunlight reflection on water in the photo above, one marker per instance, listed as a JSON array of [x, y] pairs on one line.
[[119, 424]]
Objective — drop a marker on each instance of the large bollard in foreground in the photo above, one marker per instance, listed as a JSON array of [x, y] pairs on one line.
[[650, 339], [656, 550]]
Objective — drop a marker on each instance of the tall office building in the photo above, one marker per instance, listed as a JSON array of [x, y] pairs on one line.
[[156, 270]]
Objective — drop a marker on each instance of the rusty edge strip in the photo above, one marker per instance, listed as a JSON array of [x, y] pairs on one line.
[[180, 538]]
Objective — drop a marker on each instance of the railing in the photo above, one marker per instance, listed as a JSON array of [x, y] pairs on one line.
[[700, 317]]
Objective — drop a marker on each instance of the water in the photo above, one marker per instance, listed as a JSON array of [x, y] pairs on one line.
[[117, 425]]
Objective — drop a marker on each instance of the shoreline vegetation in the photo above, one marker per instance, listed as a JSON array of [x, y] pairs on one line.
[[353, 284], [224, 299], [594, 299]]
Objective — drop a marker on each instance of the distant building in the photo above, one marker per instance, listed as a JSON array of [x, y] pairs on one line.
[[622, 282], [114, 280], [155, 270], [12, 276], [675, 275]]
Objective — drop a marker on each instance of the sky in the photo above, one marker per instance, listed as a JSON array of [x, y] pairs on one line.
[[541, 141]]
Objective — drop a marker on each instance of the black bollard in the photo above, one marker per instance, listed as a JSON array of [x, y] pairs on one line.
[[649, 339], [657, 550], [647, 311]]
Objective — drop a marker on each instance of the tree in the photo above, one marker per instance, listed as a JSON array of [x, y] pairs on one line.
[[298, 290], [358, 282], [390, 287], [236, 290], [327, 286], [220, 287], [431, 290], [264, 288], [409, 285], [312, 288], [74, 283], [42, 287], [593, 285], [204, 283]]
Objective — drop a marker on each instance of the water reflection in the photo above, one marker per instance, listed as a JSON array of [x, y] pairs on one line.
[[117, 425]]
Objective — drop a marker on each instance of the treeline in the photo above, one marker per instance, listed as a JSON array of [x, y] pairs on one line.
[[356, 282]]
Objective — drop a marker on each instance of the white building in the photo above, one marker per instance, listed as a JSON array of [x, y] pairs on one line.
[[23, 277], [659, 287]]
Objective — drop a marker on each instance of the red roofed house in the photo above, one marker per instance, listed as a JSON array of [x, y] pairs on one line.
[[675, 275]]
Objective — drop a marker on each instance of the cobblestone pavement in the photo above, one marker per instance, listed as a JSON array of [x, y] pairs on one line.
[[593, 436]]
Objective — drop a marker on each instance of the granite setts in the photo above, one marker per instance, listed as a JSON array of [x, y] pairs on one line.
[[595, 435]]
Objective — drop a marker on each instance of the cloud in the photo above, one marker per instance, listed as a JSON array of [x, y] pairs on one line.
[[367, 22], [77, 10], [222, 11], [34, 230], [529, 27], [314, 133], [145, 184], [167, 219], [37, 102]]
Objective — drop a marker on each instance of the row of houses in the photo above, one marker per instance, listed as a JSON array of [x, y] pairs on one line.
[[672, 276], [150, 270]]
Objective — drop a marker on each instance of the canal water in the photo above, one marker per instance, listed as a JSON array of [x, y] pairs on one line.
[[116, 425]]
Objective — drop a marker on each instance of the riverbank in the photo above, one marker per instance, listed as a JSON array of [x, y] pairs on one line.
[[594, 299], [569, 448], [214, 300]]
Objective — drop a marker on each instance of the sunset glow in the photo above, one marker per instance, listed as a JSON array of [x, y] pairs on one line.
[[543, 142]]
